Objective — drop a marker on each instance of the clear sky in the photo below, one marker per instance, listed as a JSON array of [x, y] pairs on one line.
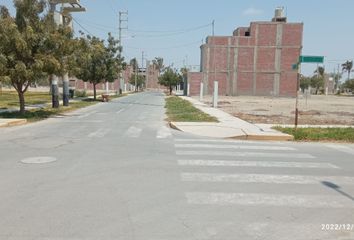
[[174, 30]]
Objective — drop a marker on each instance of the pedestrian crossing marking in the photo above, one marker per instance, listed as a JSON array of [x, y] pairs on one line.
[[244, 154], [231, 163], [265, 178], [133, 132], [163, 132], [240, 147], [276, 200]]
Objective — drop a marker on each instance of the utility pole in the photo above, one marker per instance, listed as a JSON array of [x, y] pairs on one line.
[[142, 64], [123, 17], [65, 18], [213, 27]]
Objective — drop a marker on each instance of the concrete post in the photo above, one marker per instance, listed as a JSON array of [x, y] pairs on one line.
[[55, 92], [66, 89], [215, 95], [107, 87], [125, 87], [201, 91], [188, 89]]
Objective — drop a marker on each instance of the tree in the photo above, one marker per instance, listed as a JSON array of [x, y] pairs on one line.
[[59, 56], [92, 61], [305, 82], [347, 67], [137, 79], [317, 81], [135, 65], [158, 64], [349, 84], [336, 77], [114, 61], [21, 42], [170, 79]]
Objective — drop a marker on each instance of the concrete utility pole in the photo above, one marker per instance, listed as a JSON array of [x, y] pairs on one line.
[[63, 18], [123, 17]]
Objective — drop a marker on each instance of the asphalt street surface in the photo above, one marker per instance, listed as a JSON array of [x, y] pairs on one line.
[[116, 171]]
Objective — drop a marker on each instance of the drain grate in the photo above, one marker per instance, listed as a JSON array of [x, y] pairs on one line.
[[39, 160]]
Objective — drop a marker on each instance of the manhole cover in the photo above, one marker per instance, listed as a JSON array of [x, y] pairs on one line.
[[38, 160]]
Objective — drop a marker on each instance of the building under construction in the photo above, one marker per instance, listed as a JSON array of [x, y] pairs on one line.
[[255, 60]]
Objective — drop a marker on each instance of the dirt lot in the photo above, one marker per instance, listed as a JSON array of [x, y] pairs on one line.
[[315, 109]]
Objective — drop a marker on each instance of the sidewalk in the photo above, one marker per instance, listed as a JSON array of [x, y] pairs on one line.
[[227, 127]]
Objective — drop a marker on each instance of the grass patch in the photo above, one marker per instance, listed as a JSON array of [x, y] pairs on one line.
[[180, 110], [320, 134], [43, 113], [9, 99]]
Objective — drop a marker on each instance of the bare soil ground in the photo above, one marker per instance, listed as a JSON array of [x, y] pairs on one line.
[[314, 109]]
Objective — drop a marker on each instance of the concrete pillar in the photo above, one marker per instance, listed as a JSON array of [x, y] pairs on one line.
[[188, 89], [201, 91], [107, 87], [55, 92], [66, 89], [215, 95]]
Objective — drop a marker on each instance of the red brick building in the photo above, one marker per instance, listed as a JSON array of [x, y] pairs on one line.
[[255, 60], [151, 74]]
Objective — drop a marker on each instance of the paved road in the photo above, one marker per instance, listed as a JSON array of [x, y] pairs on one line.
[[120, 173]]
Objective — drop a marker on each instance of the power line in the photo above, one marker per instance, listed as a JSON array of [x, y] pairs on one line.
[[82, 26], [165, 48], [172, 33], [166, 33]]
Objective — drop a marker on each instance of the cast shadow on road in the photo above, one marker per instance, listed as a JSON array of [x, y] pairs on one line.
[[337, 189]]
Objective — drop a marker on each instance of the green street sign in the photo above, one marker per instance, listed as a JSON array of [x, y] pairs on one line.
[[311, 59]]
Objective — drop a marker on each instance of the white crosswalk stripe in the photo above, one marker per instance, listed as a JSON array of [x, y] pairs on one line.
[[231, 163], [252, 199], [133, 132], [219, 161], [265, 178], [179, 140], [227, 146], [163, 132], [244, 154], [100, 133]]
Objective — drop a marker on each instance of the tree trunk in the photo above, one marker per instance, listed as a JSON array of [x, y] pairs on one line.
[[21, 97], [170, 89], [94, 91]]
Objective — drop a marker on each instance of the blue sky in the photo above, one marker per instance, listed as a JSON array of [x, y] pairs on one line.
[[159, 27]]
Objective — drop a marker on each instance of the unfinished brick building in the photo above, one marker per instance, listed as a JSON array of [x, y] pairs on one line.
[[255, 60]]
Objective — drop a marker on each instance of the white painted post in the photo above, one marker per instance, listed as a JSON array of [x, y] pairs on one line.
[[125, 87], [215, 96], [188, 89], [201, 91], [107, 87]]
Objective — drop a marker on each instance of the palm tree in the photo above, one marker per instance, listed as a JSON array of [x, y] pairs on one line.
[[158, 63], [347, 67]]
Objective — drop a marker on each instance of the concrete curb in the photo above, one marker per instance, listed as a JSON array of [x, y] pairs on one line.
[[242, 135], [228, 126], [12, 122]]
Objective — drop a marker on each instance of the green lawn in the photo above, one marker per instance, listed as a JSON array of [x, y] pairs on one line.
[[9, 99], [320, 134], [180, 110]]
